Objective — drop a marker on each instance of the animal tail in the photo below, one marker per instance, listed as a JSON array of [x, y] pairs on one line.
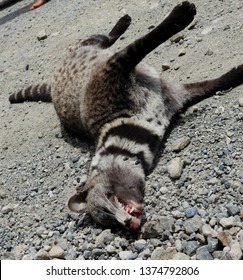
[[180, 17], [40, 92], [195, 92]]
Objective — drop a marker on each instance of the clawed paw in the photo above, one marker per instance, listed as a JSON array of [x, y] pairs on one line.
[[183, 13], [120, 26]]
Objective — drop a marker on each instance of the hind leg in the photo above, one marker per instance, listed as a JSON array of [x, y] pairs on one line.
[[105, 41], [201, 90]]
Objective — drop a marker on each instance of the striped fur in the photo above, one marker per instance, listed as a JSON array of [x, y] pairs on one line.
[[40, 92], [125, 107], [130, 136]]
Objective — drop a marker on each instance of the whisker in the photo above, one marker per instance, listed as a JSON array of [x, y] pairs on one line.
[[109, 205]]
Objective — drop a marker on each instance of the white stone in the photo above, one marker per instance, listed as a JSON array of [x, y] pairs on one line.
[[57, 252], [180, 144], [208, 231], [235, 251], [175, 167], [241, 102], [124, 255]]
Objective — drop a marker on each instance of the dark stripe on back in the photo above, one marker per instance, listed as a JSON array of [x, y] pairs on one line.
[[113, 150], [100, 121], [135, 133]]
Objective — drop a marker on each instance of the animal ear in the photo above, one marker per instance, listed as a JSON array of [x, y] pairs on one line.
[[77, 202]]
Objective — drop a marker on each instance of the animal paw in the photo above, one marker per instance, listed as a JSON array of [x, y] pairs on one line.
[[183, 14], [120, 26]]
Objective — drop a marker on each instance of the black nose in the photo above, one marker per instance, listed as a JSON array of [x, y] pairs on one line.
[[128, 220]]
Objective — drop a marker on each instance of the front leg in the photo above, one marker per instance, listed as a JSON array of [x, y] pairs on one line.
[[105, 41], [180, 17]]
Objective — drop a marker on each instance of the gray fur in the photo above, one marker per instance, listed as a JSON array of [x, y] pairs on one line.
[[125, 107]]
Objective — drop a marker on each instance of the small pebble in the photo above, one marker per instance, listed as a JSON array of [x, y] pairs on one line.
[[228, 222], [236, 251], [175, 167], [163, 254], [209, 52], [57, 252], [2, 194], [125, 255], [181, 256], [177, 38], [190, 247], [42, 35], [224, 237], [103, 237], [213, 181], [232, 209], [180, 144], [208, 231], [193, 224], [97, 252], [151, 229], [207, 30], [203, 253], [110, 249], [8, 208], [165, 66], [190, 212], [42, 255], [182, 52], [163, 190], [140, 245], [212, 244]]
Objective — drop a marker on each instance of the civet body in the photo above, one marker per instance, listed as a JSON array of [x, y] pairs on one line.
[[125, 107]]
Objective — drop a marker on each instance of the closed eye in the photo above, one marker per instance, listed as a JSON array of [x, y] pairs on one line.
[[109, 194]]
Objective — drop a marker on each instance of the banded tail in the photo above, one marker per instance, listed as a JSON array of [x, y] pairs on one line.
[[40, 92]]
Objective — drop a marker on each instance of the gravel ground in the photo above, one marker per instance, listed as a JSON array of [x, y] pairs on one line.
[[194, 197]]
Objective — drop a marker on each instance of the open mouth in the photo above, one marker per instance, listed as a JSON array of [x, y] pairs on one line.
[[133, 211]]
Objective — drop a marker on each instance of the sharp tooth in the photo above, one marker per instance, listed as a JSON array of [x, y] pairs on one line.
[[131, 210]]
